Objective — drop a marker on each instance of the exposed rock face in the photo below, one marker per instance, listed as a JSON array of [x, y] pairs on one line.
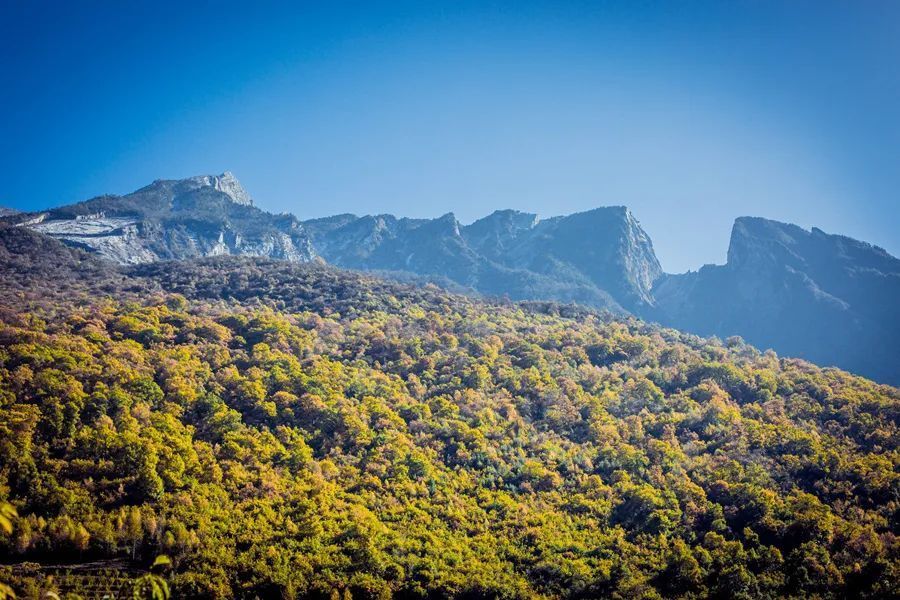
[[497, 233], [604, 246], [827, 298], [208, 215], [601, 257], [228, 184]]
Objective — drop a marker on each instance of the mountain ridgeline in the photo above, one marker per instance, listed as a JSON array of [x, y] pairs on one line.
[[826, 298], [600, 257], [170, 220]]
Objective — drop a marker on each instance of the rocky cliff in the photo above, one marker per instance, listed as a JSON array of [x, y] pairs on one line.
[[601, 257], [827, 298], [208, 215]]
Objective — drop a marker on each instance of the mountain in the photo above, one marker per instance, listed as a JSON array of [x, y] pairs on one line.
[[604, 246], [293, 430], [174, 219], [827, 298], [600, 257]]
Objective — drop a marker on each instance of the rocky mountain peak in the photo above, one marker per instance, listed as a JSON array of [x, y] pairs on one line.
[[755, 240], [515, 218], [496, 233], [807, 293], [446, 224], [226, 183], [609, 246], [503, 222], [205, 215]]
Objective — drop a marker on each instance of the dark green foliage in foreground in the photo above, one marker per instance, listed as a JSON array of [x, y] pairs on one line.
[[285, 431]]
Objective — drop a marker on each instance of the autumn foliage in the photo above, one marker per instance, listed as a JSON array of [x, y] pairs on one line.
[[365, 439]]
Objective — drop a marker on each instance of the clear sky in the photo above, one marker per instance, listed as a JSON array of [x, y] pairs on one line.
[[690, 113]]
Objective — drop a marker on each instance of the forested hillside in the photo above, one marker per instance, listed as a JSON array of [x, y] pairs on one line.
[[283, 430]]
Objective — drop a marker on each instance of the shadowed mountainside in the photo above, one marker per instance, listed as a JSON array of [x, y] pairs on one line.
[[827, 298]]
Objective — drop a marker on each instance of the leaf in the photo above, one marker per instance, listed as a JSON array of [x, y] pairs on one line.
[[151, 586], [161, 561], [7, 515]]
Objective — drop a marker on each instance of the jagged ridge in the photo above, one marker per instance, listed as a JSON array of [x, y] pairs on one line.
[[208, 215], [827, 298]]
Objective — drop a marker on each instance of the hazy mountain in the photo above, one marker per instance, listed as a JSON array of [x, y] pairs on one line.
[[199, 216], [827, 298], [600, 257], [604, 246]]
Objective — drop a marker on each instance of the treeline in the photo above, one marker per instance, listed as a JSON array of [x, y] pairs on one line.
[[288, 431]]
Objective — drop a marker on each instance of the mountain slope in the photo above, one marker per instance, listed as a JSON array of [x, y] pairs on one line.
[[601, 258], [38, 268], [827, 298], [174, 219], [605, 246], [612, 266], [287, 430]]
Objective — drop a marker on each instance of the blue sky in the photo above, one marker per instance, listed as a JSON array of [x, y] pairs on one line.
[[690, 113]]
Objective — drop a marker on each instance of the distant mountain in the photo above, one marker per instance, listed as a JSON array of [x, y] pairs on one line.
[[827, 298], [600, 257], [6, 212], [604, 246], [175, 219]]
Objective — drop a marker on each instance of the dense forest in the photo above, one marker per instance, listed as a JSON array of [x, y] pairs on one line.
[[290, 431]]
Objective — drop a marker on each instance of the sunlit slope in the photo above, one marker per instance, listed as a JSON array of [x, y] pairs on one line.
[[287, 430]]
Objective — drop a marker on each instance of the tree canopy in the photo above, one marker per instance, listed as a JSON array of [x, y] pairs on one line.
[[308, 433]]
